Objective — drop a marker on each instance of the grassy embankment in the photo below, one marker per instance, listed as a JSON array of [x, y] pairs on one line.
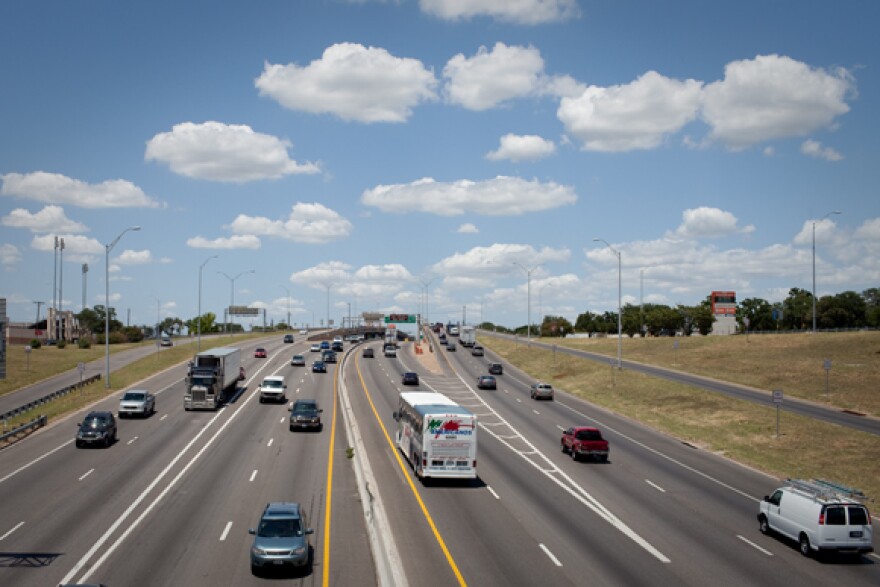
[[49, 361], [742, 431]]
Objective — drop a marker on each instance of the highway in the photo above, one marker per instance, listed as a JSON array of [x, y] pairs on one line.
[[171, 502]]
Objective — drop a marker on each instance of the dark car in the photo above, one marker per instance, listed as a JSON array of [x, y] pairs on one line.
[[288, 338], [260, 353], [368, 353], [336, 345], [495, 368], [486, 382], [450, 346], [319, 367], [281, 539], [329, 357], [96, 428], [305, 414], [410, 378], [325, 345]]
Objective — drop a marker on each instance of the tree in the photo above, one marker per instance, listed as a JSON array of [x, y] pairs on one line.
[[207, 320], [758, 311], [797, 309], [555, 326], [872, 306], [844, 310]]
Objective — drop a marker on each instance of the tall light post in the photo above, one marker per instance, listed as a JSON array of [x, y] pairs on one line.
[[619, 307], [199, 317], [288, 305], [58, 334], [232, 288], [425, 285], [85, 271], [328, 286], [528, 298], [107, 249], [814, 264]]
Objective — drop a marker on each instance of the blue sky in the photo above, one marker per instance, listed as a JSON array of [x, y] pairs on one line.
[[375, 147]]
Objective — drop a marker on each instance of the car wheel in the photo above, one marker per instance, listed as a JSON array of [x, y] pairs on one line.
[[574, 454], [804, 544], [78, 444], [763, 525], [292, 428], [603, 458], [564, 450], [255, 570]]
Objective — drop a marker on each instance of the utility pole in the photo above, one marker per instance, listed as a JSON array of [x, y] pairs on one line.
[[85, 270], [60, 287], [38, 311]]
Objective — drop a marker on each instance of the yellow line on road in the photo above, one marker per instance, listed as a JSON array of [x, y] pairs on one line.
[[409, 480], [325, 580]]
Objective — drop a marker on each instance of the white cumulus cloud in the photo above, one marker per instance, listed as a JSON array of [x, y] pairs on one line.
[[524, 12], [706, 222], [245, 241], [468, 228], [486, 264], [10, 255], [522, 147], [49, 219], [224, 152], [130, 257], [353, 82], [638, 115], [74, 244], [771, 97], [54, 188], [492, 77], [502, 196], [307, 223], [815, 149]]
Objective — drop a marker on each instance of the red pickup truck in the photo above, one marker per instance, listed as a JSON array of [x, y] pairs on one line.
[[579, 441]]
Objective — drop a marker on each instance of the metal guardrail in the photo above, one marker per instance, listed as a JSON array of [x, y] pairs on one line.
[[47, 398], [37, 422]]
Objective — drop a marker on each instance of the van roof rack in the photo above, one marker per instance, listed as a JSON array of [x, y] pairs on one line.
[[826, 490]]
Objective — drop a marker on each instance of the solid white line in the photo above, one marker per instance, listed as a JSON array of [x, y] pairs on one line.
[[492, 491], [17, 526], [132, 440], [271, 440], [655, 486], [35, 461], [253, 475], [89, 472], [750, 543], [550, 555], [225, 531]]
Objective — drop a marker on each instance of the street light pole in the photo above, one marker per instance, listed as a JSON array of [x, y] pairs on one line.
[[619, 307], [232, 289], [107, 249], [288, 305], [541, 306], [528, 299], [199, 317], [814, 265]]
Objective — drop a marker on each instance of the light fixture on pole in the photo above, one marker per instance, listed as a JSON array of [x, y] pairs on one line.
[[528, 298], [232, 289], [814, 265], [199, 317], [619, 307], [107, 249], [425, 285]]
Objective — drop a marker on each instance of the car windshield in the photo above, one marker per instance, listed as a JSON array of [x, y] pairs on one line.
[[588, 435], [133, 396], [280, 528], [93, 422], [271, 383]]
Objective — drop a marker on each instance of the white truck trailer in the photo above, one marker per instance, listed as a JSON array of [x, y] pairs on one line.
[[467, 335], [212, 379]]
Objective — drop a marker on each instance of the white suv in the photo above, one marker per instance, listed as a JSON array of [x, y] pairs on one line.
[[272, 389], [819, 515]]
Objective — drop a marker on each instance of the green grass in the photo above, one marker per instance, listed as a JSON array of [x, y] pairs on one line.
[[740, 430]]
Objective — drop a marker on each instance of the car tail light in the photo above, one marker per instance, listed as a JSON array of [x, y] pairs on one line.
[[822, 517]]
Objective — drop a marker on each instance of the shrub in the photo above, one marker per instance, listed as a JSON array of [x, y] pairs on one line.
[[35, 343], [61, 344], [84, 343]]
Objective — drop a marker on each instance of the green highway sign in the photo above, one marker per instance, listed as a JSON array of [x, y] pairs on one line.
[[400, 319]]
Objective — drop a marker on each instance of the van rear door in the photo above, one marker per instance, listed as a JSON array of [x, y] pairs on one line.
[[846, 526]]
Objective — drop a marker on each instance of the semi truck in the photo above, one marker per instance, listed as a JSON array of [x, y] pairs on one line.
[[468, 336], [212, 378]]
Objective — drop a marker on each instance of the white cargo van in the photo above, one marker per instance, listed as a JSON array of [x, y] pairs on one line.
[[272, 389], [819, 515]]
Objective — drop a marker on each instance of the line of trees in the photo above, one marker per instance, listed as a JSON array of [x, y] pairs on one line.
[[840, 311]]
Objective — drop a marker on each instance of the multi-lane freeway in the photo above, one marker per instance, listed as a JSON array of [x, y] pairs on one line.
[[171, 502]]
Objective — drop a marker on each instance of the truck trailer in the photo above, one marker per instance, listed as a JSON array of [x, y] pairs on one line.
[[212, 378], [468, 336]]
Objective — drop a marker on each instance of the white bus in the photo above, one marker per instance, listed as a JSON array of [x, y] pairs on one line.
[[437, 436]]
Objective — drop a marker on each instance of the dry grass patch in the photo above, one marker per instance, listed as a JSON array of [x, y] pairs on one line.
[[741, 430]]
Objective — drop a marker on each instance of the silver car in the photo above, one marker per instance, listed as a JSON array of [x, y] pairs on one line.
[[282, 538], [137, 402], [541, 391]]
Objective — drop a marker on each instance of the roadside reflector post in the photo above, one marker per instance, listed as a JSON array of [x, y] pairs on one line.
[[777, 400]]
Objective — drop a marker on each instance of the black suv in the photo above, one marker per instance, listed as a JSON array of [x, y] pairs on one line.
[[96, 428], [305, 413]]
